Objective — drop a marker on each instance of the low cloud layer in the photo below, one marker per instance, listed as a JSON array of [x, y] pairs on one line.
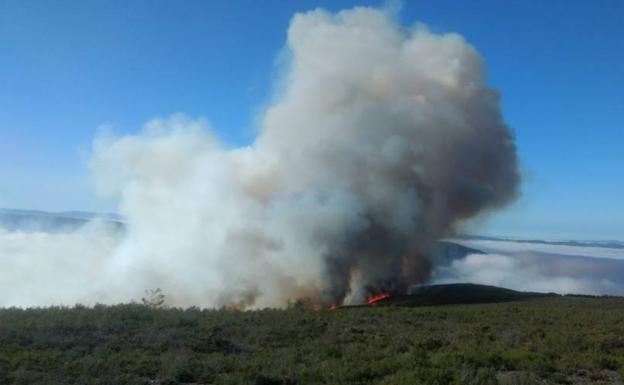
[[560, 248], [539, 267]]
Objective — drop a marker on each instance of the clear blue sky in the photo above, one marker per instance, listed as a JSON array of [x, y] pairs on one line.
[[67, 67]]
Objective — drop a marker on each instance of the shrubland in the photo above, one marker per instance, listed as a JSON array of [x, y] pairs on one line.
[[558, 340]]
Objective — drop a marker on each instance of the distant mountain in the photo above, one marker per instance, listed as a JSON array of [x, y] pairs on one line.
[[34, 220]]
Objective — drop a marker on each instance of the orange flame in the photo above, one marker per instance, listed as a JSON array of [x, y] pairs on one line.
[[333, 306], [377, 297]]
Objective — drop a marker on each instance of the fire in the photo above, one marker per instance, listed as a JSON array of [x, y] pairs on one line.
[[333, 306], [376, 298]]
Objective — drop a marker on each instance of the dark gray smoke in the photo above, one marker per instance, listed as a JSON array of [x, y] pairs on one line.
[[382, 138]]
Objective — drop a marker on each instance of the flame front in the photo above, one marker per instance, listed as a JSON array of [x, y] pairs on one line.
[[376, 298]]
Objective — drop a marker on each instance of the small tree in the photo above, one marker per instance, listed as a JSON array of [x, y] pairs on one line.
[[154, 298]]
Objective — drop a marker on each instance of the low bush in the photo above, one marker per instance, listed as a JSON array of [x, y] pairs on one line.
[[546, 340]]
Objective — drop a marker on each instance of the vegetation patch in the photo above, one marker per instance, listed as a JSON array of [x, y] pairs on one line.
[[549, 340]]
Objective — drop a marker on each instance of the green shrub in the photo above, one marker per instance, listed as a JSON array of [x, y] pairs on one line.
[[530, 342]]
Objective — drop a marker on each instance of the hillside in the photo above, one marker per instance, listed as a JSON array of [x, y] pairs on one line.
[[550, 340], [459, 293]]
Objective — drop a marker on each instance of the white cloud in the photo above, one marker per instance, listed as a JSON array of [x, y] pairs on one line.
[[562, 275], [527, 247]]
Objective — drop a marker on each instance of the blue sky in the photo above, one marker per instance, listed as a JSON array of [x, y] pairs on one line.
[[68, 67]]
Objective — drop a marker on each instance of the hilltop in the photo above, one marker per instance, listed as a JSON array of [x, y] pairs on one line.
[[459, 293]]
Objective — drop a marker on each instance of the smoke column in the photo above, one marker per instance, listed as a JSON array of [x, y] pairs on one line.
[[381, 139]]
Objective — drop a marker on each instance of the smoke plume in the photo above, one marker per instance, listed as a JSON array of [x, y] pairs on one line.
[[381, 139]]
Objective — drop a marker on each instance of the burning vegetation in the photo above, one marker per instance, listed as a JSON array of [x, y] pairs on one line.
[[377, 297]]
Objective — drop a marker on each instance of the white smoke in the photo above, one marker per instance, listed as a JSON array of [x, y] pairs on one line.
[[381, 140], [44, 268]]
